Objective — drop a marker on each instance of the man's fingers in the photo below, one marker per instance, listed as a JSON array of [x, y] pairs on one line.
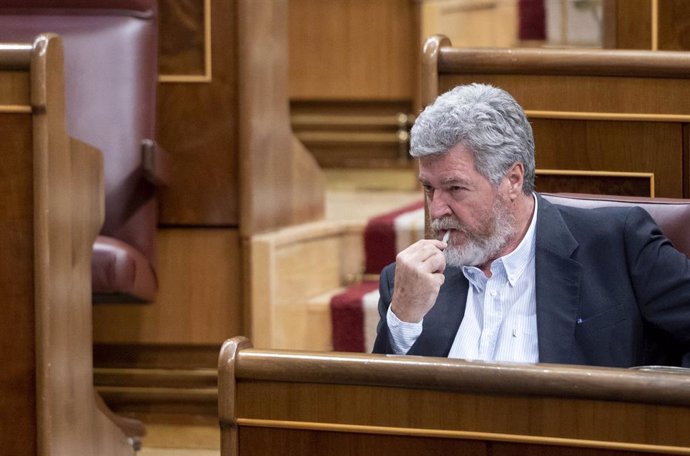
[[421, 250]]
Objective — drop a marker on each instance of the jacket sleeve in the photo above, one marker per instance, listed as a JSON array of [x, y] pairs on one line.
[[382, 343], [661, 277]]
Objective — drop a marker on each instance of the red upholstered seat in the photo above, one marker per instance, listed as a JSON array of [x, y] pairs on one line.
[[110, 77]]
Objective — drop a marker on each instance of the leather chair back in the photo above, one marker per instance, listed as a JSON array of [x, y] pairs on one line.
[[672, 215]]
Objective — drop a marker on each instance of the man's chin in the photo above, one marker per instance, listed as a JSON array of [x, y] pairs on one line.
[[465, 256]]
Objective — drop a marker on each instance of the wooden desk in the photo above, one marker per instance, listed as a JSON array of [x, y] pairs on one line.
[[290, 403]]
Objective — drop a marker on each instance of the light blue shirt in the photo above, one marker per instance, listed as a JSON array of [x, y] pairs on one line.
[[500, 321]]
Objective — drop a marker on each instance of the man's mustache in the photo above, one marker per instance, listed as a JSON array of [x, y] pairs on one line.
[[446, 223]]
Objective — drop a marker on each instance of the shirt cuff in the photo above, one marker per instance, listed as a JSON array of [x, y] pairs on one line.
[[402, 335]]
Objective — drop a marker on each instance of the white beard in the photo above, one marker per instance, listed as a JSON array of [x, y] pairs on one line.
[[478, 248]]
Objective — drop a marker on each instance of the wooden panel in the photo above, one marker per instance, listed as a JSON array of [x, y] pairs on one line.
[[470, 23], [17, 333], [488, 413], [627, 24], [281, 183], [594, 184], [197, 122], [647, 24], [199, 300], [647, 147], [674, 25], [300, 398], [352, 49], [511, 449], [182, 44], [14, 88], [541, 409], [260, 442], [288, 270], [586, 94]]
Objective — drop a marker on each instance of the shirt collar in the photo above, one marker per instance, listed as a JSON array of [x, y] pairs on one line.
[[514, 263]]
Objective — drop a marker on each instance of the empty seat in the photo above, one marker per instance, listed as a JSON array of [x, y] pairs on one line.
[[110, 78]]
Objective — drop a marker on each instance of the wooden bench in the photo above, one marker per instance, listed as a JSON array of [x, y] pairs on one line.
[[294, 403], [52, 209], [604, 121]]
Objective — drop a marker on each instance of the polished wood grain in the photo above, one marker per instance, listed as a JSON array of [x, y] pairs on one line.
[[627, 24], [469, 23], [198, 123], [230, 138], [53, 207], [673, 25], [647, 24], [261, 441], [199, 299], [352, 49], [354, 134], [290, 269], [566, 62], [17, 345], [14, 88], [183, 51], [509, 407], [280, 182]]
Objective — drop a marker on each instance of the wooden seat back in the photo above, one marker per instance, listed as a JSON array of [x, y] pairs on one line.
[[604, 121], [52, 208]]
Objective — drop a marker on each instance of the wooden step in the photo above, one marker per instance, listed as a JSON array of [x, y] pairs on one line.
[[189, 391]]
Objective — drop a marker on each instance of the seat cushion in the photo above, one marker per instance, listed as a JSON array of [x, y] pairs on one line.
[[118, 270]]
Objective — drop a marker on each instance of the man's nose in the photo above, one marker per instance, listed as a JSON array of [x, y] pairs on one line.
[[438, 207]]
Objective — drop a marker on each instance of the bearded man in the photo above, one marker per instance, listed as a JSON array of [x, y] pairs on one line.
[[511, 277]]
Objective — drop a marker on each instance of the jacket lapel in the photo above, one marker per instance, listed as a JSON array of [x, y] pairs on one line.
[[558, 282], [443, 320]]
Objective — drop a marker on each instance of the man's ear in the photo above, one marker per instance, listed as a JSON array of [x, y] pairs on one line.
[[516, 177]]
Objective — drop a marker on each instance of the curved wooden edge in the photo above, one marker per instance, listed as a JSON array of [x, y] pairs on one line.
[[296, 194], [430, 67], [227, 370], [581, 382], [226, 376], [575, 62], [15, 56], [69, 208], [51, 147]]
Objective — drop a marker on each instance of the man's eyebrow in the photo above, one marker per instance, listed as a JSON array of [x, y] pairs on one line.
[[454, 181], [447, 182]]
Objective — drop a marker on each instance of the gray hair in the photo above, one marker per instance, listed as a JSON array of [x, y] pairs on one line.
[[485, 119]]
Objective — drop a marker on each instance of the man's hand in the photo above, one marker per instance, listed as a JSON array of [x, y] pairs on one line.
[[418, 279]]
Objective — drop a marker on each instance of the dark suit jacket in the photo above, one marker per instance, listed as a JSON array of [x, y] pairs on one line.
[[611, 290]]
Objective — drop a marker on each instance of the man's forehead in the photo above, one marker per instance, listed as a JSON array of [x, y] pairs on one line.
[[457, 160]]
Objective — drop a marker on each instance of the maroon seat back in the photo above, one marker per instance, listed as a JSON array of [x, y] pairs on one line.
[[672, 215], [110, 77]]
